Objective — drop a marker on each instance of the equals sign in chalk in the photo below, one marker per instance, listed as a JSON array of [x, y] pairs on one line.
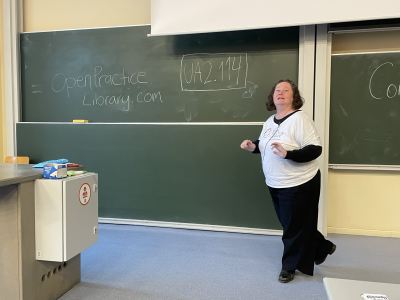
[[36, 85]]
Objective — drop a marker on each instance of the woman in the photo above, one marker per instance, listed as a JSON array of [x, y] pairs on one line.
[[289, 145]]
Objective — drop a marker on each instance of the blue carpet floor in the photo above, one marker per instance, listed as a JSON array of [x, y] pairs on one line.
[[149, 263]]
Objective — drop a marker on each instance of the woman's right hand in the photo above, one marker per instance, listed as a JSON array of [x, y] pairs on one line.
[[248, 145]]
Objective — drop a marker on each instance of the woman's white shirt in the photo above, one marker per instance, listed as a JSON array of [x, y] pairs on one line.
[[294, 133]]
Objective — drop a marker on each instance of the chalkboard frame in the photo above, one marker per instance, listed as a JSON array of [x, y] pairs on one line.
[[356, 166]]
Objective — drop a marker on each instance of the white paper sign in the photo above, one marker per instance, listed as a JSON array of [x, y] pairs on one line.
[[374, 297]]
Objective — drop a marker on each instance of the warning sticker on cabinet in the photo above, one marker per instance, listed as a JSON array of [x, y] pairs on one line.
[[84, 194]]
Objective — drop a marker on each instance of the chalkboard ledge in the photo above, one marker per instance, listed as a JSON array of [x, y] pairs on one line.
[[191, 226], [365, 167]]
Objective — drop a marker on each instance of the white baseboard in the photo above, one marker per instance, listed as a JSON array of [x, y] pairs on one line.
[[191, 226], [367, 232]]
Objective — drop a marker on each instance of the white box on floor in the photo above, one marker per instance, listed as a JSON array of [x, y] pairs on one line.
[[66, 216]]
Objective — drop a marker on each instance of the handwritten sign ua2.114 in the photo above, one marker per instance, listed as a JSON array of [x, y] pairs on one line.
[[213, 72]]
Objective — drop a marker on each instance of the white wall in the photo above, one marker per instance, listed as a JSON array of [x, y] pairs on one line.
[[43, 15]]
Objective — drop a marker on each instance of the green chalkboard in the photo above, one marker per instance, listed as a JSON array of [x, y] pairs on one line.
[[365, 109], [174, 173], [122, 75]]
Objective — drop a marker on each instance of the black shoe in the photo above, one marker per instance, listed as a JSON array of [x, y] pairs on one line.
[[320, 261], [286, 276]]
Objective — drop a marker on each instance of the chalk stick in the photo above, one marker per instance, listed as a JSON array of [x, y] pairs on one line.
[[80, 121]]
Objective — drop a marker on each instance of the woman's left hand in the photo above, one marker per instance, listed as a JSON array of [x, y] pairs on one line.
[[280, 151]]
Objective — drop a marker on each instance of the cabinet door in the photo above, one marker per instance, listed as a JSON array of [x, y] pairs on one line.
[[80, 214]]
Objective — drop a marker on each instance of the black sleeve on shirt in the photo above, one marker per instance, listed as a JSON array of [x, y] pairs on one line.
[[306, 154], [257, 150]]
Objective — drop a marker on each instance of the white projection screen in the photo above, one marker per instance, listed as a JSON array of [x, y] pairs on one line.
[[170, 17]]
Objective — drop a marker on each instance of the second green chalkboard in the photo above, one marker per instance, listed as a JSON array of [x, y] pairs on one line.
[[365, 109]]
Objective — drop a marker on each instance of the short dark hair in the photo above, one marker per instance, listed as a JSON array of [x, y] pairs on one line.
[[298, 101]]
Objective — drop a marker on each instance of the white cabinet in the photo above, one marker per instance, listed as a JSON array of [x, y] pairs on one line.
[[66, 216]]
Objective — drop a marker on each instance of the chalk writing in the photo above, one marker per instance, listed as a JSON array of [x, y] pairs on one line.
[[61, 82], [107, 100], [250, 92], [148, 97], [124, 101], [98, 80], [222, 71], [392, 90], [36, 90]]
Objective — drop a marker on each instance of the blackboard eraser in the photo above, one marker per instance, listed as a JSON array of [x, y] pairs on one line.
[[80, 121]]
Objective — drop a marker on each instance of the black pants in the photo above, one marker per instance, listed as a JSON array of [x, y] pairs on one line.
[[297, 210]]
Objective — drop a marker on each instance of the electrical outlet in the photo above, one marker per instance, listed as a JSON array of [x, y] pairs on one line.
[[95, 230], [39, 254]]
